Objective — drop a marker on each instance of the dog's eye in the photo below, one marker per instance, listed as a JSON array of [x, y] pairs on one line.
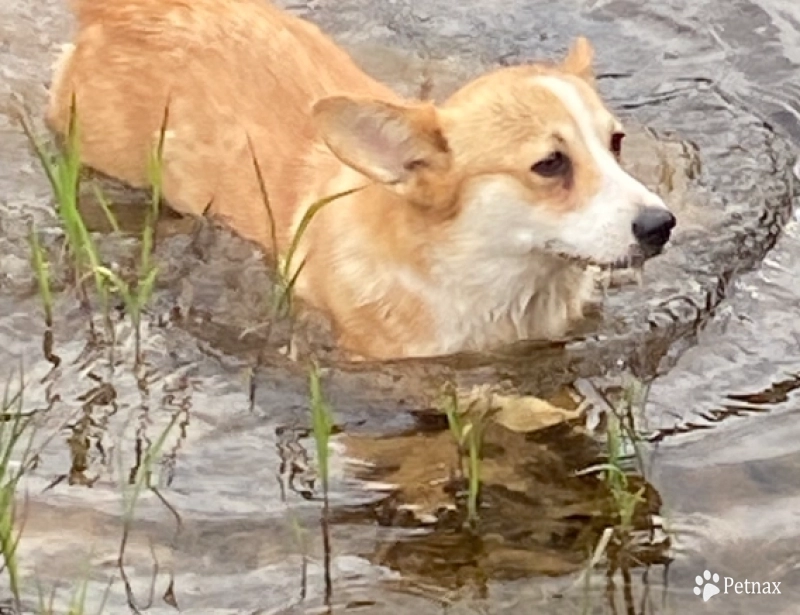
[[555, 165], [616, 143], [415, 165]]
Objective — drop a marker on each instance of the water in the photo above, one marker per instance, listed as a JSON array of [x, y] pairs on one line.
[[724, 459]]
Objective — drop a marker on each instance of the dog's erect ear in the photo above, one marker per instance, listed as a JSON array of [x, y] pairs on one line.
[[580, 59], [386, 142]]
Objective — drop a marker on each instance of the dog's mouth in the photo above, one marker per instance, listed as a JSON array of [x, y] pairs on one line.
[[635, 258]]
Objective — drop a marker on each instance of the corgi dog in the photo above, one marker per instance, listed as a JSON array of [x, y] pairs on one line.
[[474, 223]]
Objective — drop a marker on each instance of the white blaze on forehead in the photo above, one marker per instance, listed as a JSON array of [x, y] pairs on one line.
[[585, 117]]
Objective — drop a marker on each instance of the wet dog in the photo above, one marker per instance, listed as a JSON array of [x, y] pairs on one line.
[[477, 222]]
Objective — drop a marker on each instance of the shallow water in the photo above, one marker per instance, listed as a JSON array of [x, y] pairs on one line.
[[725, 451]]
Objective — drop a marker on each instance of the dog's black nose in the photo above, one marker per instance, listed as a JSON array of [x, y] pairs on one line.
[[652, 228]]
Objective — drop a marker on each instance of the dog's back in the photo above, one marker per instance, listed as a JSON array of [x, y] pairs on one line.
[[477, 217], [232, 73]]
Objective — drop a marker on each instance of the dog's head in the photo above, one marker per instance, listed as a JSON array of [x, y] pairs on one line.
[[521, 160]]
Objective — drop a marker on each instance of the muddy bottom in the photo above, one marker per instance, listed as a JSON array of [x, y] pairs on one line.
[[231, 522]]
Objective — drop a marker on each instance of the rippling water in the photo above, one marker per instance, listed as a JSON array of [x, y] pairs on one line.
[[726, 462]]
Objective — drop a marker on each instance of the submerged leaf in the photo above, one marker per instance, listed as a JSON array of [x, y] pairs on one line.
[[521, 414]]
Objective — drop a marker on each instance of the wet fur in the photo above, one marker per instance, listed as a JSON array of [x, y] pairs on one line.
[[453, 244]]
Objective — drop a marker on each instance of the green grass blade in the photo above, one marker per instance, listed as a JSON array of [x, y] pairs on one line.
[[264, 197], [322, 424], [42, 270], [106, 207], [312, 211]]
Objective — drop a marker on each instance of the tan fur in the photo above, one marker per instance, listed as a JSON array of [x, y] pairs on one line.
[[405, 266]]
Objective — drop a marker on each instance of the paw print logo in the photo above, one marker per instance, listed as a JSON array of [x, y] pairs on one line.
[[706, 585]]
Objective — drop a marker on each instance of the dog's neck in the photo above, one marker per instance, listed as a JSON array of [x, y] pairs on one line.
[[387, 265]]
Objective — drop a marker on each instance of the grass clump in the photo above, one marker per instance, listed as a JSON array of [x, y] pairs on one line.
[[623, 457], [63, 169], [468, 436], [136, 295], [13, 422], [615, 476], [621, 472], [15, 459], [100, 286]]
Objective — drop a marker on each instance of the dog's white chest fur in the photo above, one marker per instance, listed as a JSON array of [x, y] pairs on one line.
[[498, 303]]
